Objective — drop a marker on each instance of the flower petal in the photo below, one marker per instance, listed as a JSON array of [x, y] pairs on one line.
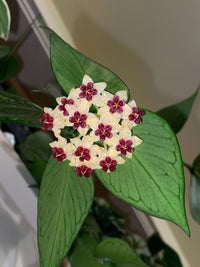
[[97, 100], [100, 87], [132, 104], [74, 94], [83, 131], [136, 140], [122, 95], [87, 79], [92, 121]]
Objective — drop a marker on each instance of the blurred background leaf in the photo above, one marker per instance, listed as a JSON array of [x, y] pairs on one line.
[[35, 152], [176, 115], [4, 20], [195, 189], [170, 258]]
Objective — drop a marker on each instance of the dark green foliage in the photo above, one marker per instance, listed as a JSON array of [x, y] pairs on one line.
[[19, 110], [176, 115]]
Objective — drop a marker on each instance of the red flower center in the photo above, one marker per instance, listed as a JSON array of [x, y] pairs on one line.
[[103, 132], [64, 102], [136, 115], [87, 91], [59, 154], [83, 171], [82, 153], [78, 120], [116, 105], [108, 164], [124, 147], [47, 120]]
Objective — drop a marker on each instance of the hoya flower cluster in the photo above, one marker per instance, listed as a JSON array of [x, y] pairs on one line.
[[103, 122]]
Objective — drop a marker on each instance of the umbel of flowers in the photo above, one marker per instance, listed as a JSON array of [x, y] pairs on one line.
[[105, 136]]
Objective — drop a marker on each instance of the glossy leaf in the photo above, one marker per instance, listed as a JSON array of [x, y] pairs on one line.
[[4, 20], [4, 51], [153, 180], [8, 69], [83, 252], [176, 115], [19, 110], [64, 202], [118, 251], [69, 67]]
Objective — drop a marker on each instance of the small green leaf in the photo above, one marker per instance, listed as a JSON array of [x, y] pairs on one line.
[[35, 152], [19, 110], [8, 69], [36, 145], [83, 252], [37, 169], [64, 202], [69, 67], [4, 20], [195, 197], [91, 227], [69, 132], [118, 251], [171, 258], [153, 180], [4, 51], [155, 244], [176, 115], [49, 89], [196, 166]]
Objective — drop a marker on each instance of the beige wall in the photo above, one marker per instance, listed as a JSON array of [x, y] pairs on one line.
[[154, 46]]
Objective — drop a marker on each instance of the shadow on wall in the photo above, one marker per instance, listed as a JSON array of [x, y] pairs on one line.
[[92, 41]]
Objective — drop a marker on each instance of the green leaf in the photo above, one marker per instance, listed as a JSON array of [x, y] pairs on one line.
[[35, 152], [69, 132], [196, 166], [195, 197], [4, 20], [8, 69], [153, 180], [36, 145], [91, 227], [4, 51], [69, 67], [37, 169], [83, 252], [155, 244], [19, 110], [118, 251], [171, 258], [64, 202], [49, 89], [176, 115]]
